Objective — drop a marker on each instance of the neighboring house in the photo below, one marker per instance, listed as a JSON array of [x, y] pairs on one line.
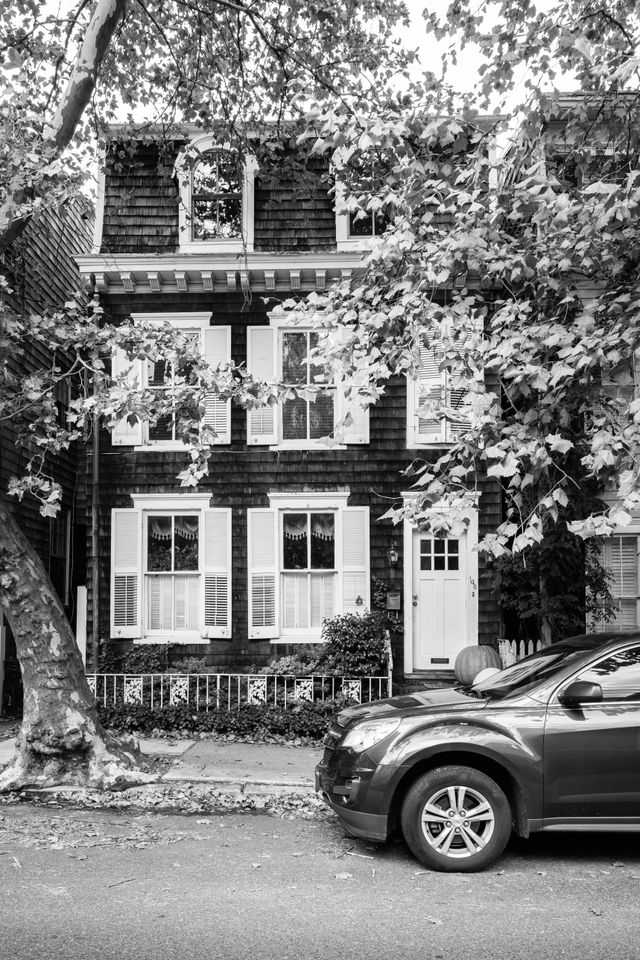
[[284, 531], [576, 168], [42, 275]]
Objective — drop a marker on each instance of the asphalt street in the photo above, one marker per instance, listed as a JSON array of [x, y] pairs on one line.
[[116, 885]]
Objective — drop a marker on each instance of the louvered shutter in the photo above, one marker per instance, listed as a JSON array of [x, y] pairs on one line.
[[217, 349], [126, 574], [428, 386], [262, 422], [262, 535], [358, 430], [621, 560], [216, 595], [130, 373], [355, 559]]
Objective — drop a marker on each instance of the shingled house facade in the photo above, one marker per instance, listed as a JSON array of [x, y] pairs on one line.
[[42, 275], [284, 531]]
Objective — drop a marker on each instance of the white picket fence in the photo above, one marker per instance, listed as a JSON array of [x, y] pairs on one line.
[[513, 650]]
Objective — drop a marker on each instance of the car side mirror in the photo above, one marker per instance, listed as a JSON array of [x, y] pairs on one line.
[[581, 691]]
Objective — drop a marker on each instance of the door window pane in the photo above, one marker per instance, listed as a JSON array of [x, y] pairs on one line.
[[618, 675], [438, 553]]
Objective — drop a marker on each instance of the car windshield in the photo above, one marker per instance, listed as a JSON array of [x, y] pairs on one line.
[[527, 673]]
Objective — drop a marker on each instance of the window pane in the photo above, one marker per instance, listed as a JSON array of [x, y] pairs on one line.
[[321, 416], [322, 598], [186, 543], [205, 219], [159, 543], [294, 420], [619, 675], [205, 175], [162, 430], [323, 541], [228, 173], [159, 373], [294, 541], [294, 358], [229, 217]]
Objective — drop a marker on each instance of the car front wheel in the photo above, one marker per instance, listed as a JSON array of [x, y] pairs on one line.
[[456, 819]]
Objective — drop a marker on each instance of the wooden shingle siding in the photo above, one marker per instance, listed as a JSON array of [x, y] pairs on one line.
[[43, 276], [141, 198], [241, 477], [291, 213]]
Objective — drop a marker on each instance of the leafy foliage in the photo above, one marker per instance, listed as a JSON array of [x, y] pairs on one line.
[[356, 645], [305, 720]]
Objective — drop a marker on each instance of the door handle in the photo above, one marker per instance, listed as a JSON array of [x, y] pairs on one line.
[[415, 599]]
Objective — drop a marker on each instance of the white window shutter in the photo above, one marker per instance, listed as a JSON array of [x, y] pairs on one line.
[[217, 349], [357, 431], [355, 560], [126, 574], [262, 533], [262, 422], [428, 386], [123, 371], [216, 595]]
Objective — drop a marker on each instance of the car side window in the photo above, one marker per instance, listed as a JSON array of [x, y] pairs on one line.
[[618, 675]]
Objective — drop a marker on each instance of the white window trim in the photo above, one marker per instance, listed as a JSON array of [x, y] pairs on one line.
[[170, 504], [344, 241], [181, 321], [245, 243], [334, 502], [282, 322]]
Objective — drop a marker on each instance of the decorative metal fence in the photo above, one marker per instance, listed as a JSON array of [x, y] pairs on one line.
[[208, 691]]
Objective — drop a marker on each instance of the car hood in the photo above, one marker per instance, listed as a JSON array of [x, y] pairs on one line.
[[442, 698]]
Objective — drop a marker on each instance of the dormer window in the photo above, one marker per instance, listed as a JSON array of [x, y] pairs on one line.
[[354, 227], [216, 198]]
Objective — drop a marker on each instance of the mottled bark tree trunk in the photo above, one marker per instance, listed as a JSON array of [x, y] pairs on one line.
[[61, 740]]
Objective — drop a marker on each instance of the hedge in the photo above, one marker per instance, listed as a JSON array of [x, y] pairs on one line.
[[306, 720]]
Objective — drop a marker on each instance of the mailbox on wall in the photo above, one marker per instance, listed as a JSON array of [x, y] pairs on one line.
[[393, 600]]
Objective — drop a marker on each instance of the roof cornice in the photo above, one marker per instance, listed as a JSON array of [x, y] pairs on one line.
[[216, 272]]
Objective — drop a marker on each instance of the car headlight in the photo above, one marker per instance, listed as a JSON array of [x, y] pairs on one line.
[[369, 732]]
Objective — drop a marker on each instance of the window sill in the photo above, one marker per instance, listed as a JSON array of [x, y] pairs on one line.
[[307, 445], [172, 638], [296, 638], [364, 244], [215, 246]]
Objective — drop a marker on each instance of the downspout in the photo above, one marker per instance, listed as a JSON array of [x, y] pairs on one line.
[[95, 514]]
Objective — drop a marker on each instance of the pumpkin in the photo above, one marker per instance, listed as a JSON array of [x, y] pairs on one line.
[[471, 660]]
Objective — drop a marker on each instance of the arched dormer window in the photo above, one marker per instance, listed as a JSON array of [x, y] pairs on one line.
[[216, 198]]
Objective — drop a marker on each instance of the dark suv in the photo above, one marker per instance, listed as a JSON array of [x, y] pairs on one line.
[[550, 743]]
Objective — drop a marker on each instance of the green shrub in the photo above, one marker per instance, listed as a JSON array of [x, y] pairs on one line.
[[304, 720], [296, 664], [191, 665], [356, 645]]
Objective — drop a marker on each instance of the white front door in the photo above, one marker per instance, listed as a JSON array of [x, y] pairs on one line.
[[444, 599]]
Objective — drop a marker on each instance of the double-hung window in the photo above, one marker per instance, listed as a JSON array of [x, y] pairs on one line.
[[356, 226], [216, 198], [159, 377], [308, 561], [171, 569], [620, 555], [313, 409]]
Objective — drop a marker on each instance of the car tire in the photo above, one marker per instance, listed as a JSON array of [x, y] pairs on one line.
[[456, 819]]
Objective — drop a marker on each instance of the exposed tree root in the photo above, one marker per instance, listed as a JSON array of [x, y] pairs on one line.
[[102, 764]]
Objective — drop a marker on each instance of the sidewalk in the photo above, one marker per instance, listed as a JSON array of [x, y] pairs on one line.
[[247, 768]]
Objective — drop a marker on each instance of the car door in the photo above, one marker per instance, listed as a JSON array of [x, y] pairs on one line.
[[591, 759]]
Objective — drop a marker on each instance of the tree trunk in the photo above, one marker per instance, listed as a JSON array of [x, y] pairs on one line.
[[61, 740]]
